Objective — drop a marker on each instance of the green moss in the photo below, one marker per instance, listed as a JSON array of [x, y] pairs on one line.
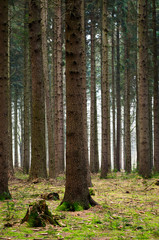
[[4, 196], [66, 206], [91, 192]]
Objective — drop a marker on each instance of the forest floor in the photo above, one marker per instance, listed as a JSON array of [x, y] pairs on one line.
[[129, 209]]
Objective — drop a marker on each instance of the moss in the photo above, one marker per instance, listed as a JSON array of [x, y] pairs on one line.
[[91, 192], [4, 196], [66, 206]]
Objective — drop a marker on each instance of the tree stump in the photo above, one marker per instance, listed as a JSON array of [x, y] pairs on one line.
[[38, 215]]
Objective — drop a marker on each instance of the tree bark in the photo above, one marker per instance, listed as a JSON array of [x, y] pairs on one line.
[[105, 162], [94, 159], [156, 96], [144, 141], [4, 137], [38, 157], [76, 190]]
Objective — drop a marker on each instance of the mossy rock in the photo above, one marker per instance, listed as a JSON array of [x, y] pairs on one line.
[[38, 215], [50, 196], [5, 196], [66, 206]]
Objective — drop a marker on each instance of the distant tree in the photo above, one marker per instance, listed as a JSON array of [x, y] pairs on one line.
[[144, 140], [76, 190], [26, 92], [117, 164], [94, 159], [38, 150], [105, 162], [4, 137]]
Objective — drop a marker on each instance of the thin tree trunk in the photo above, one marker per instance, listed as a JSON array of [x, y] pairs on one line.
[[105, 96], [15, 128], [156, 96], [94, 159], [44, 6], [118, 140], [26, 94]]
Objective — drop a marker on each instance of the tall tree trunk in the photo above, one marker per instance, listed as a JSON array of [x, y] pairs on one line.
[[156, 96], [127, 96], [85, 129], [4, 192], [44, 6], [94, 159], [26, 94], [144, 141], [105, 96], [10, 154], [38, 157], [15, 128], [118, 140], [60, 113], [76, 190], [113, 94]]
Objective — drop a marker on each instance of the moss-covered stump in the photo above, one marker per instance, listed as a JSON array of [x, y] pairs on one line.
[[38, 215], [50, 196]]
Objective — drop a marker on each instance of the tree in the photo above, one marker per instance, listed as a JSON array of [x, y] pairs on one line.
[[144, 140], [38, 150], [94, 160], [105, 96], [76, 190], [156, 100], [4, 192]]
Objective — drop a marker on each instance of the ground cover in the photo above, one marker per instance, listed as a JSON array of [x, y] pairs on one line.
[[128, 209]]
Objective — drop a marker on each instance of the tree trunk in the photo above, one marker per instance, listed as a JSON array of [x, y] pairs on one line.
[[15, 128], [105, 96], [76, 190], [38, 157], [26, 94], [156, 96], [144, 141], [127, 96], [113, 95], [94, 159], [44, 6], [4, 137], [118, 140]]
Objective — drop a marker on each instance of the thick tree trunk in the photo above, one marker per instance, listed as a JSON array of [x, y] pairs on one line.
[[144, 138], [105, 164], [76, 163], [94, 159], [38, 157], [156, 96], [4, 137]]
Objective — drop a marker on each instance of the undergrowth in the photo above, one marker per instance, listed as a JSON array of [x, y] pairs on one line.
[[129, 209]]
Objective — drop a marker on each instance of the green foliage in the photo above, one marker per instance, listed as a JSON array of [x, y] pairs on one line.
[[5, 196], [91, 192], [66, 206]]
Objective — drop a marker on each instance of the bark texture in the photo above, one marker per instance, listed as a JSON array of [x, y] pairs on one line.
[[156, 96], [38, 157], [144, 138], [4, 192], [94, 159], [76, 190], [105, 162]]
